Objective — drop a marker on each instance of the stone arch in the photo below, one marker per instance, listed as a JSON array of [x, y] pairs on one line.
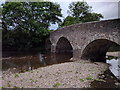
[[63, 46], [96, 50]]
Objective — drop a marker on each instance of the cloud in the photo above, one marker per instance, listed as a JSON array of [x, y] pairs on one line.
[[64, 7], [2, 1], [108, 9], [86, 0]]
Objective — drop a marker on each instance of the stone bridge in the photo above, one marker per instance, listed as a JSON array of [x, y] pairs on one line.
[[87, 41]]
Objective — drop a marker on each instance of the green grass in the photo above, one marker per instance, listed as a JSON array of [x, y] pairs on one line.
[[56, 84], [82, 80], [99, 80], [88, 78], [1, 87]]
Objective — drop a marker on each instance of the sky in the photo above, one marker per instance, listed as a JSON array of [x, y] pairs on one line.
[[108, 8]]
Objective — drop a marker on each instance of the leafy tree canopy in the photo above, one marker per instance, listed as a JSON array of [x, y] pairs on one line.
[[25, 24], [80, 12], [30, 16]]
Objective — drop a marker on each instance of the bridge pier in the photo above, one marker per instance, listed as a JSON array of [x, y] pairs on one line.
[[76, 53], [53, 48]]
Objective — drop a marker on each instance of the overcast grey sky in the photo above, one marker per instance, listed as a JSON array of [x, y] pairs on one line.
[[108, 9]]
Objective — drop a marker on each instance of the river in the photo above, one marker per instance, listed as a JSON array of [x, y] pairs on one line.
[[114, 65], [13, 62]]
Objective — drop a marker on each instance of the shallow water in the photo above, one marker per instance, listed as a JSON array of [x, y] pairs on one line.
[[25, 61], [114, 65], [21, 62]]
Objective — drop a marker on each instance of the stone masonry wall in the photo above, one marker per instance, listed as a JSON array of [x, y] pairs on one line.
[[80, 35]]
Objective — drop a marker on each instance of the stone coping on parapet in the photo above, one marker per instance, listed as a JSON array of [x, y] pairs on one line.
[[85, 23]]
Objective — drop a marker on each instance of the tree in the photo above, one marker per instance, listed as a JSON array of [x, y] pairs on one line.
[[30, 16], [79, 9], [80, 12], [0, 12], [26, 23], [69, 20]]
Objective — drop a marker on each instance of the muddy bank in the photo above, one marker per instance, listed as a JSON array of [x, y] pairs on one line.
[[108, 80], [78, 74]]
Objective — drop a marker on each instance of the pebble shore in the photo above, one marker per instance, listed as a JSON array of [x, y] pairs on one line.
[[77, 74]]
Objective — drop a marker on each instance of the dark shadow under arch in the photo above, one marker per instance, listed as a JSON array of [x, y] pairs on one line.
[[63, 46], [97, 49], [48, 45]]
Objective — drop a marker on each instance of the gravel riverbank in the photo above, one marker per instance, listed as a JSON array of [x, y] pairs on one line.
[[76, 74]]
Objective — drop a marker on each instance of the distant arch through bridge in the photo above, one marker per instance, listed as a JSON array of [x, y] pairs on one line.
[[88, 41]]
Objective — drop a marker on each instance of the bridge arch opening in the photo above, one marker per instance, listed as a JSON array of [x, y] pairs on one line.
[[64, 46], [97, 49]]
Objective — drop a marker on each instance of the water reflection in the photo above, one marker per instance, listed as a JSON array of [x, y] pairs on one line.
[[16, 62], [42, 59], [114, 65], [28, 62]]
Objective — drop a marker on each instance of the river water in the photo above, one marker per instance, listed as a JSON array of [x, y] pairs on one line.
[[114, 65], [14, 62], [20, 62]]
